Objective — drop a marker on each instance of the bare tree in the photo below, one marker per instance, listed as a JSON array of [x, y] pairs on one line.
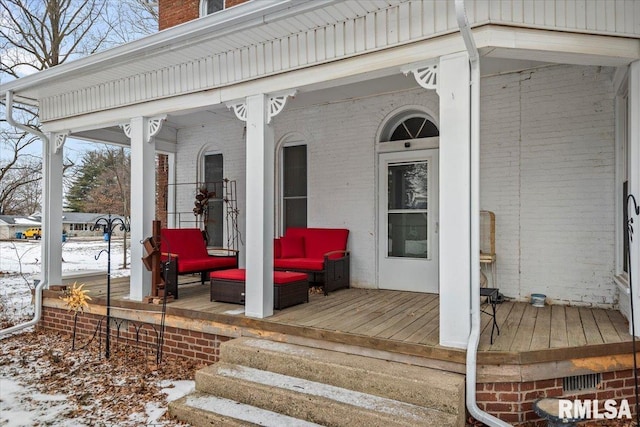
[[40, 34]]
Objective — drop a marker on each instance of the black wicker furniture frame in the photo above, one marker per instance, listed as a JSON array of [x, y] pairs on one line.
[[289, 288]]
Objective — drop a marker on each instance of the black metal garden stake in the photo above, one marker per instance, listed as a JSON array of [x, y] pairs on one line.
[[629, 237], [108, 225]]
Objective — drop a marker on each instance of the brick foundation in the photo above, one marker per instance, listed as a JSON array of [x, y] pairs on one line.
[[177, 342], [510, 401], [513, 402]]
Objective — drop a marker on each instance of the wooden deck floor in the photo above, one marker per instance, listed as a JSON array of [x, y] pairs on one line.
[[409, 322]]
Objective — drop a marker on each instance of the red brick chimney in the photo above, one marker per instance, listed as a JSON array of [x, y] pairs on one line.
[[174, 12]]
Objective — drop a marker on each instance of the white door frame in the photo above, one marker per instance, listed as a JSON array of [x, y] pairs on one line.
[[410, 274]]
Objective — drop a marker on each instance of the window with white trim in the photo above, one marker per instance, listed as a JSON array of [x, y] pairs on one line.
[[294, 186], [214, 218], [409, 125], [207, 7]]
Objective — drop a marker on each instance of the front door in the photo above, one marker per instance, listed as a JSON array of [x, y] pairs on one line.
[[408, 221]]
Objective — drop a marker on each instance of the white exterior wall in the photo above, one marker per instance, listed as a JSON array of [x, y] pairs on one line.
[[342, 168], [547, 171]]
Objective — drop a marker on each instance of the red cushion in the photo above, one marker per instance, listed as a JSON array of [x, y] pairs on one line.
[[184, 242], [277, 248], [292, 247], [237, 274], [299, 264], [281, 278], [186, 265], [319, 241]]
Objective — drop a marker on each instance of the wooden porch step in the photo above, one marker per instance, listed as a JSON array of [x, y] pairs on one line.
[[432, 388], [203, 409], [313, 401], [319, 386]]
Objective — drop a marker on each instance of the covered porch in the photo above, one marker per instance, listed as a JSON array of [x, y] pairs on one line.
[[333, 77]]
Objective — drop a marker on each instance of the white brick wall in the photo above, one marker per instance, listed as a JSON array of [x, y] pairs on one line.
[[547, 171], [225, 137]]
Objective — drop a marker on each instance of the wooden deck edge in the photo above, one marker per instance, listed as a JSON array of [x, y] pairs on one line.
[[492, 365], [554, 369]]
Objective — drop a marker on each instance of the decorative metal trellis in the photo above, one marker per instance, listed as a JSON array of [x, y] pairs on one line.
[[143, 334], [125, 335], [204, 195]]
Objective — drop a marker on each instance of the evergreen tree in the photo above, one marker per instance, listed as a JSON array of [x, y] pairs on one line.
[[103, 183]]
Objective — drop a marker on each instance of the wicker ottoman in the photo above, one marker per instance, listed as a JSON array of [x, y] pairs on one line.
[[289, 288]]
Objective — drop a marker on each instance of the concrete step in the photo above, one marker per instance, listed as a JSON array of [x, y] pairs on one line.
[[204, 410], [431, 388], [314, 402]]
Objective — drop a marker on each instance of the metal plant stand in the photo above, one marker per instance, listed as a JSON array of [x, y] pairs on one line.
[[108, 226], [629, 237]]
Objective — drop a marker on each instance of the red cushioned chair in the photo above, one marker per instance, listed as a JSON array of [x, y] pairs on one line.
[[188, 247], [319, 252]]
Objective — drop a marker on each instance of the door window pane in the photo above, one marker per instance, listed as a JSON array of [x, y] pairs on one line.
[[407, 235], [407, 214], [407, 186]]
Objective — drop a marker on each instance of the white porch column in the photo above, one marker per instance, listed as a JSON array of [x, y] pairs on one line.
[[634, 184], [143, 190], [259, 217], [51, 245], [455, 195]]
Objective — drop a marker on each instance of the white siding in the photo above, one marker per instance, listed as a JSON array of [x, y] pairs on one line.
[[232, 58], [548, 173]]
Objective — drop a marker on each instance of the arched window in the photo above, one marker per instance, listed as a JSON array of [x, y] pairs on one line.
[[411, 124], [207, 7]]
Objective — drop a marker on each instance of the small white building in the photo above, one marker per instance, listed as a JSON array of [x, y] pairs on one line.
[[11, 225]]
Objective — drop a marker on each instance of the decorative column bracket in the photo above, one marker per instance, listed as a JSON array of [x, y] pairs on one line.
[[154, 124], [59, 140], [426, 74], [276, 105]]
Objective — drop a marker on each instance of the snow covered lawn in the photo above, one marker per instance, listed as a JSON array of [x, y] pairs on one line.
[[43, 382], [20, 263]]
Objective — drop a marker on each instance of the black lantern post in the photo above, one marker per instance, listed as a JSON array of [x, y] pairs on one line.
[[108, 226]]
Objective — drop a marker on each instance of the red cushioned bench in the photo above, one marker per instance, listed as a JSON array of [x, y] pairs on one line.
[[289, 288], [187, 246], [319, 252]]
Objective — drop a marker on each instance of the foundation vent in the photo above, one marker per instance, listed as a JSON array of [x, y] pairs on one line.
[[581, 382]]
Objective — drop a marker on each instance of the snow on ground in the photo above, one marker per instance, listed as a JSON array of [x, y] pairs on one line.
[[44, 382], [20, 263]]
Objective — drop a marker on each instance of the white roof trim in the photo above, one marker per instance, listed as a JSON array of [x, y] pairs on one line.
[[234, 19]]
